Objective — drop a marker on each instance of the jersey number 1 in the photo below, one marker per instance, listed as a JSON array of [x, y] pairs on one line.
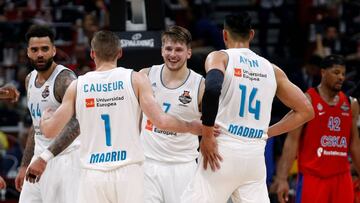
[[106, 119]]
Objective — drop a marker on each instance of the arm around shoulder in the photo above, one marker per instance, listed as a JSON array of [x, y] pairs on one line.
[[153, 111], [53, 122]]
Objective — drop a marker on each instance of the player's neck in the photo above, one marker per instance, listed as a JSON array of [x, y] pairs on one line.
[[329, 96], [174, 79], [104, 66], [43, 76], [238, 44]]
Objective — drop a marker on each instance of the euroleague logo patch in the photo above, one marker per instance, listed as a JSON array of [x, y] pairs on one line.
[[90, 102], [46, 92], [185, 98]]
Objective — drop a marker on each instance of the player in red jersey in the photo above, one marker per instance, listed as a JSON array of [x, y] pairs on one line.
[[323, 144]]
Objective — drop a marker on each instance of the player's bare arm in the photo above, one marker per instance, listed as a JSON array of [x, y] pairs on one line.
[[153, 111], [215, 63], [62, 82], [290, 95], [52, 123], [355, 140], [28, 152]]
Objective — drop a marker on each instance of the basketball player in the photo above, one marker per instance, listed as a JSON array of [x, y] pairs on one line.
[[9, 93], [170, 156], [324, 143], [239, 89], [46, 86], [108, 103]]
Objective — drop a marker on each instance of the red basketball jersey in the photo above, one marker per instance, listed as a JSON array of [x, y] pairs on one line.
[[325, 141]]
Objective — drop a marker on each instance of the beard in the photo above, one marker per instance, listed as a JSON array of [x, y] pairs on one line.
[[43, 68]]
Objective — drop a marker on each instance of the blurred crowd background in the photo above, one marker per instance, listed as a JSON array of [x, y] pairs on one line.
[[294, 34]]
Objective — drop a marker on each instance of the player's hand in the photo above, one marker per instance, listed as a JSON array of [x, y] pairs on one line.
[[19, 180], [209, 149], [35, 170], [9, 93], [2, 183], [281, 186], [217, 130]]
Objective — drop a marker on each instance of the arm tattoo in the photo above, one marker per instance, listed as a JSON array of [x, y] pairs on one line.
[[28, 152], [66, 137], [72, 129], [62, 82], [29, 148]]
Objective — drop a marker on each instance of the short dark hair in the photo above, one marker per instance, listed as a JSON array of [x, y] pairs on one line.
[[239, 24], [40, 31], [106, 45], [331, 60], [177, 34]]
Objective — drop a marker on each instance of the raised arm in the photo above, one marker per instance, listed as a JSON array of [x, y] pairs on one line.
[[154, 112], [290, 95]]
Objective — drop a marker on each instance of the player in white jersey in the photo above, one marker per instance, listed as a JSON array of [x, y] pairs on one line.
[[46, 87], [239, 90], [170, 157], [108, 103]]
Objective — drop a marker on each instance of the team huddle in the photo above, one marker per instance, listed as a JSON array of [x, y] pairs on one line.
[[117, 135]]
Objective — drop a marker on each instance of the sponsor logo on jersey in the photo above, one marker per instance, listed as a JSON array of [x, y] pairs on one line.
[[46, 92], [237, 72], [185, 98], [90, 102], [319, 107], [345, 107], [149, 125]]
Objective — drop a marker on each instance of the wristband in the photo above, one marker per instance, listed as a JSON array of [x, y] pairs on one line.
[[46, 155]]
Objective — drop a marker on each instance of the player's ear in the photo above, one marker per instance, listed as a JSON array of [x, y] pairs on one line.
[[92, 54]]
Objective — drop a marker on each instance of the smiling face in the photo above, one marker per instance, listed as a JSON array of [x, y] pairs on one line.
[[41, 53], [333, 77], [175, 54]]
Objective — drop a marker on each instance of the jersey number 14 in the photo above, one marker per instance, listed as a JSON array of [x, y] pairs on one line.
[[252, 109]]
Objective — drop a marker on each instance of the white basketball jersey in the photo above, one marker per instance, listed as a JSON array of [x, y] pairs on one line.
[[181, 102], [247, 95], [39, 99], [108, 112]]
